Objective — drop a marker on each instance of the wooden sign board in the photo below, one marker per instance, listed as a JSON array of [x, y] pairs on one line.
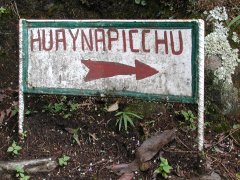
[[152, 59]]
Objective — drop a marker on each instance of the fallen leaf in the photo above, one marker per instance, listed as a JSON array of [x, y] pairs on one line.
[[120, 169], [127, 176], [113, 107], [152, 145], [2, 116], [8, 113], [2, 96], [145, 152]]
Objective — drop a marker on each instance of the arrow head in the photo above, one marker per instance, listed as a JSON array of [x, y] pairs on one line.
[[143, 70]]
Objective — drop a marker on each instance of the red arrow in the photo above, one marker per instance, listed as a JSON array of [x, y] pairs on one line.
[[103, 69]]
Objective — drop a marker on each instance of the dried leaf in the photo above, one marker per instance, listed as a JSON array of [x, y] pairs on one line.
[[8, 113], [127, 176], [151, 146], [113, 107], [2, 116], [145, 152], [120, 169], [2, 96]]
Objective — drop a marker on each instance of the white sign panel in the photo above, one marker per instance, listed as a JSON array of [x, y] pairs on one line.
[[142, 58]]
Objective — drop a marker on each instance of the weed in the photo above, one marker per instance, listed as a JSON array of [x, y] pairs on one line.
[[20, 173], [24, 134], [62, 108], [14, 148], [189, 118], [238, 175], [3, 10], [235, 22], [236, 126], [126, 118], [62, 161], [141, 2], [28, 112], [75, 135], [164, 168]]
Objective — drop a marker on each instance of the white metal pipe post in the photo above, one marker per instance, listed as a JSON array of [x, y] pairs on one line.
[[21, 95], [201, 87]]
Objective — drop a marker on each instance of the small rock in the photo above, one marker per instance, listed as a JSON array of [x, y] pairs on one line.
[[212, 176]]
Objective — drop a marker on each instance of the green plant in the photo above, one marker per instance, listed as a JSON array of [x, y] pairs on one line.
[[75, 135], [14, 148], [3, 10], [62, 108], [142, 2], [20, 173], [164, 168], [28, 112], [235, 22], [189, 118], [62, 161], [24, 134], [238, 176], [126, 118]]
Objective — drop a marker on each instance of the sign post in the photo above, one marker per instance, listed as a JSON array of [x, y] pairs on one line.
[[148, 59]]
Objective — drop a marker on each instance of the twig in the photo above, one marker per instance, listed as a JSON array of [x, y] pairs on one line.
[[180, 151], [230, 133], [229, 173], [15, 4], [103, 167], [178, 140]]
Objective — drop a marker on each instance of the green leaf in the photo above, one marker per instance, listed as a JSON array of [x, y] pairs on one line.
[[18, 148], [143, 3], [118, 114], [27, 112], [10, 149], [120, 124], [135, 115], [15, 151], [125, 121], [167, 168], [66, 158], [14, 144], [67, 115], [234, 20], [137, 1], [238, 176], [236, 126], [19, 170], [157, 171], [131, 122]]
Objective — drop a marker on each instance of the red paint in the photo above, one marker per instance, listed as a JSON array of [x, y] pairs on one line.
[[44, 40], [38, 39], [124, 41], [103, 69], [143, 40], [110, 38], [163, 41], [74, 37], [60, 39], [100, 39], [88, 42], [131, 40], [180, 43]]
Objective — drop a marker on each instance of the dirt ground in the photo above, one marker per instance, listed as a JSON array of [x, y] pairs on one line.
[[49, 130]]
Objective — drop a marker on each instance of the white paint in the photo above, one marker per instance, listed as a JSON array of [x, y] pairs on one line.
[[63, 69], [21, 95], [201, 88]]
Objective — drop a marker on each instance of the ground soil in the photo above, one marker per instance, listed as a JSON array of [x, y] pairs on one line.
[[101, 143]]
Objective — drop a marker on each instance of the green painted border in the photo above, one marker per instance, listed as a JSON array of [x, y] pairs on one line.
[[119, 24]]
